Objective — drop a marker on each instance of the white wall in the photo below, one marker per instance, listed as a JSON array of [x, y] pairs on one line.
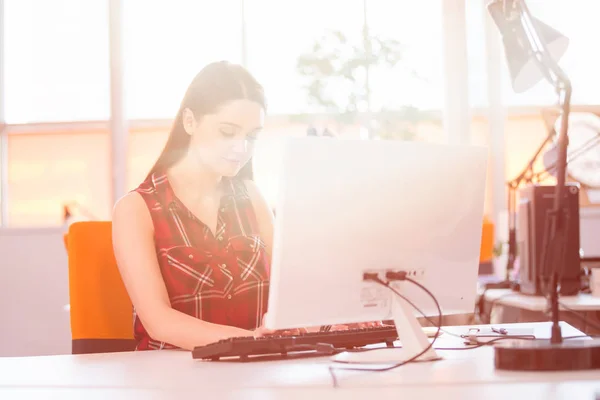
[[590, 231], [33, 293]]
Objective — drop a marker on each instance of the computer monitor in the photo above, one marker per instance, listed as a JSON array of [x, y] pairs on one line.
[[347, 207]]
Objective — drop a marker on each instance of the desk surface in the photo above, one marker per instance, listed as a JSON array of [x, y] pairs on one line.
[[580, 390], [507, 297], [166, 374]]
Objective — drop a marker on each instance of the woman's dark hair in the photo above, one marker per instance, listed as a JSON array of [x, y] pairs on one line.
[[216, 84]]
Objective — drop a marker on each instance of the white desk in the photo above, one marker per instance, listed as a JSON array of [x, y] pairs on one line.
[[586, 390], [462, 374], [506, 306], [507, 297]]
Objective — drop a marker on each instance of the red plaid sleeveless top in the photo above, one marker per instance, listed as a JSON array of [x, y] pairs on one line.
[[220, 278]]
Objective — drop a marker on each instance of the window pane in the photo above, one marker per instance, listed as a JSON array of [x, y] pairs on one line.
[[475, 10], [278, 32], [47, 171], [417, 79], [3, 171], [166, 43], [145, 146], [577, 20], [56, 60]]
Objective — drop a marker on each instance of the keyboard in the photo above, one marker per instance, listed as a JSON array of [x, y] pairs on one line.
[[317, 342]]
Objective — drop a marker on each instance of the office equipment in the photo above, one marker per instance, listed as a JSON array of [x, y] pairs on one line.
[[349, 208], [532, 49], [321, 342], [535, 207], [582, 164]]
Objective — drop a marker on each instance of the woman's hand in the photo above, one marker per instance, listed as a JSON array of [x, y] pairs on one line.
[[262, 331], [360, 325]]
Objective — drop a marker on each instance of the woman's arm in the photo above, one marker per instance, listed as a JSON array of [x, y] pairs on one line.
[[133, 244]]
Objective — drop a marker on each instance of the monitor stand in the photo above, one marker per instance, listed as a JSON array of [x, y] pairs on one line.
[[411, 335]]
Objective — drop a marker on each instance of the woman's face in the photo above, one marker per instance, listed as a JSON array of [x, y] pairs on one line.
[[224, 141]]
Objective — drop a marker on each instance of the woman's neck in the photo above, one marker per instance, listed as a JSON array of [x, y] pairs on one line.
[[194, 179]]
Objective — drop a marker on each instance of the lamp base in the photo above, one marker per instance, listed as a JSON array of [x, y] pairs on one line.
[[541, 355]]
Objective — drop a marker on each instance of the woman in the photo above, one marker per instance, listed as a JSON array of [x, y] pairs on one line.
[[193, 241]]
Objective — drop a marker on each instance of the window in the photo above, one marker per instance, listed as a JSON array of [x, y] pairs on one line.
[[278, 32], [50, 170], [475, 11], [56, 60], [145, 146], [576, 19], [3, 171], [167, 43], [418, 78]]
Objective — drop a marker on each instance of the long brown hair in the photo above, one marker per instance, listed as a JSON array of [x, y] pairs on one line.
[[216, 84]]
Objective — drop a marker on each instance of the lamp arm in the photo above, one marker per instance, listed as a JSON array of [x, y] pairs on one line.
[[553, 252]]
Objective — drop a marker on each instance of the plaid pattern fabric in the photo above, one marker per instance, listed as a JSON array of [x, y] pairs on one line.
[[220, 278]]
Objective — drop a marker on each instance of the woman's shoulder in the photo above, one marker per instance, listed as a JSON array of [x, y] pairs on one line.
[[131, 202], [154, 190], [131, 210], [138, 200], [148, 185]]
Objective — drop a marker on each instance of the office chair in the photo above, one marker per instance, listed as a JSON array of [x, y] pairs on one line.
[[486, 254], [101, 311]]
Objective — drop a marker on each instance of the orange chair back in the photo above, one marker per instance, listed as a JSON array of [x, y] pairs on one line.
[[486, 252], [487, 241], [101, 311]]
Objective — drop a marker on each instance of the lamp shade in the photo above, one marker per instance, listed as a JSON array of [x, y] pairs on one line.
[[519, 50]]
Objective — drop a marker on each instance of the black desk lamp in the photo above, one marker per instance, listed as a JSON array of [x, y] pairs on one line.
[[532, 49], [525, 54]]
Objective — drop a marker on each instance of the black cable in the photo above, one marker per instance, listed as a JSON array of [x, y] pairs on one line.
[[489, 342], [376, 279], [421, 312], [437, 304], [439, 328], [402, 276]]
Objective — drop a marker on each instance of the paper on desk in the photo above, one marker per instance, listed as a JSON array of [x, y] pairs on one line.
[[485, 334]]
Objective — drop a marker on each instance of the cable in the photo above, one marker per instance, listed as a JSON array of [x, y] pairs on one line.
[[421, 312], [399, 276], [454, 334], [402, 276], [489, 342]]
